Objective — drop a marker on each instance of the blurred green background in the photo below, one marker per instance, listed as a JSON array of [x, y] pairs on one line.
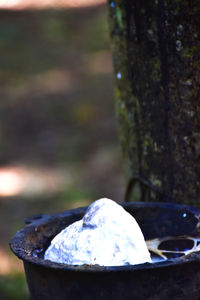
[[58, 134]]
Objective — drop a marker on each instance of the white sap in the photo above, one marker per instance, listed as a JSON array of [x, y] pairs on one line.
[[107, 235]]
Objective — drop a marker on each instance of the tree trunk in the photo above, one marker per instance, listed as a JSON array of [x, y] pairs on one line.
[[156, 54]]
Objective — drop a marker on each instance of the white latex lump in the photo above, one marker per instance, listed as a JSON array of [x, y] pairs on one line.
[[107, 235]]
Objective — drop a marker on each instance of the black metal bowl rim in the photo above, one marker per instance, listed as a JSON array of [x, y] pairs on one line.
[[17, 241]]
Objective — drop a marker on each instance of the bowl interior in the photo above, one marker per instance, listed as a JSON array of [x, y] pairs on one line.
[[168, 225]]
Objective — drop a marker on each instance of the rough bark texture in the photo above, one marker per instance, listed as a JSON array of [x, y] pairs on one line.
[[156, 54]]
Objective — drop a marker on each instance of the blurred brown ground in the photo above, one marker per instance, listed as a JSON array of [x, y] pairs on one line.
[[59, 145]]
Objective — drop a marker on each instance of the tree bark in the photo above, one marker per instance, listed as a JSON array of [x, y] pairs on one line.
[[156, 55]]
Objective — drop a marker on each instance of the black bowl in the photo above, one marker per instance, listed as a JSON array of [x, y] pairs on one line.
[[175, 278]]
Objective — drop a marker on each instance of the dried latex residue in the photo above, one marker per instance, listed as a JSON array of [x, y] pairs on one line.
[[107, 235]]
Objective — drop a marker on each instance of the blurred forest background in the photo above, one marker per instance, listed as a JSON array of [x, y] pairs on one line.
[[59, 147]]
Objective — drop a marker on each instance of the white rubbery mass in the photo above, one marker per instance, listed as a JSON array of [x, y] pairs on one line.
[[107, 235]]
